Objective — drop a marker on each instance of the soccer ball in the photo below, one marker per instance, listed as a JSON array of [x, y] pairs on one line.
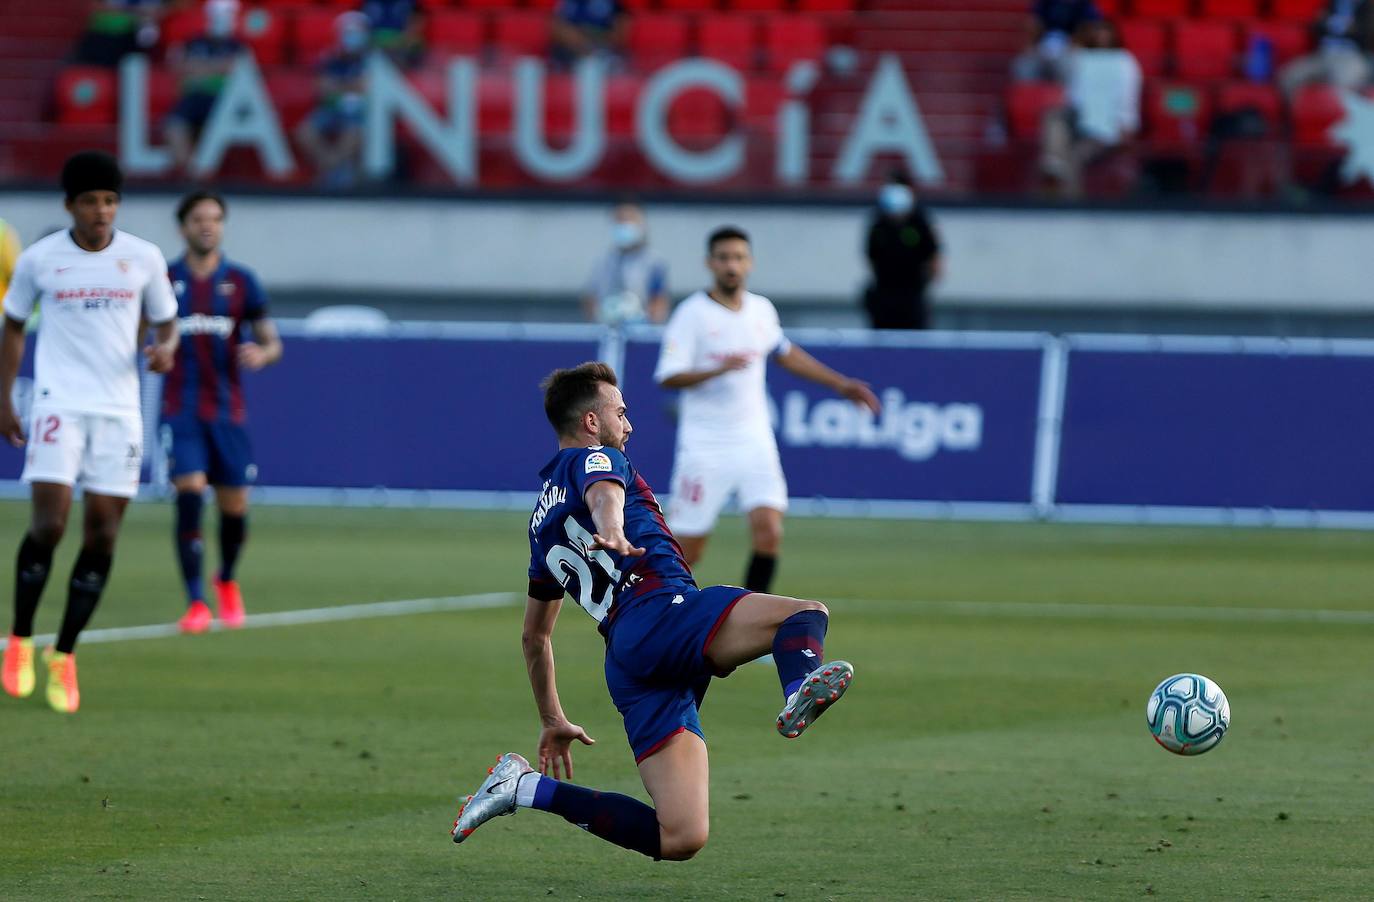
[[1188, 714]]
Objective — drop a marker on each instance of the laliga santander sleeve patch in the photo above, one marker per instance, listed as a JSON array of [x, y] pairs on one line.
[[597, 462]]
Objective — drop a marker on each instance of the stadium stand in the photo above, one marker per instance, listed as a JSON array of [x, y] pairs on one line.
[[1203, 61]]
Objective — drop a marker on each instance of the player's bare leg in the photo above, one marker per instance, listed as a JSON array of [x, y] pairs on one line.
[[190, 548], [52, 504], [233, 532], [794, 629], [678, 779], [765, 536], [103, 515]]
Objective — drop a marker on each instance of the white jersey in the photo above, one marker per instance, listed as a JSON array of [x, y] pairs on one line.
[[92, 301], [729, 410]]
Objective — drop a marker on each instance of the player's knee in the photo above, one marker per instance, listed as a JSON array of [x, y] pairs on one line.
[[806, 605], [100, 536], [682, 843], [48, 529]]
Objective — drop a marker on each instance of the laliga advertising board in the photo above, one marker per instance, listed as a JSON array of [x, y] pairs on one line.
[[958, 424]]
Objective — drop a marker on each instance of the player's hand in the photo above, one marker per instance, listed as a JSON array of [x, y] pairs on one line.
[[616, 543], [10, 426], [252, 356], [555, 748], [160, 357], [735, 362], [859, 392]]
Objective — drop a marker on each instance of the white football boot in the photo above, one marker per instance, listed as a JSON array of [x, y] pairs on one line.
[[818, 692], [494, 798]]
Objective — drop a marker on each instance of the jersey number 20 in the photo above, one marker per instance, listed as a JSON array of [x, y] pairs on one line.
[[594, 590]]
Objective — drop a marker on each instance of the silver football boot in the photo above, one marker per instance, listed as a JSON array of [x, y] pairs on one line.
[[495, 797], [818, 692]]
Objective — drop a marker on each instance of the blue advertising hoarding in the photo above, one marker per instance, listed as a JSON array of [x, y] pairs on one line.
[[1217, 429], [958, 423]]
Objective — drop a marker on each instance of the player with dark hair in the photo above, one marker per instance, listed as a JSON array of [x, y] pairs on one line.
[[715, 348], [203, 410], [597, 534], [95, 284]]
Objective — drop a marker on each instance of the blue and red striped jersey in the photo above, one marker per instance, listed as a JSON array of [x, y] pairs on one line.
[[561, 531], [205, 381]]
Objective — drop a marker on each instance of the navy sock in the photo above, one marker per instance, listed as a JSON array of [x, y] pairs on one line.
[[30, 576], [798, 648], [88, 581], [233, 532], [759, 576], [616, 818], [190, 545]]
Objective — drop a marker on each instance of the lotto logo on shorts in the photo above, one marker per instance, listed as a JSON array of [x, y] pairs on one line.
[[597, 462]]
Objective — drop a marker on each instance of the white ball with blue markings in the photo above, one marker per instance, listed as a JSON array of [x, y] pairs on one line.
[[1188, 714]]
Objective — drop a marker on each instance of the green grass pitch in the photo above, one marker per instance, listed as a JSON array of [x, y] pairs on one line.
[[993, 746]]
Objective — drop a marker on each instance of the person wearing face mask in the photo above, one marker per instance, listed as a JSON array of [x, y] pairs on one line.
[[203, 65], [332, 135], [628, 284], [904, 253]]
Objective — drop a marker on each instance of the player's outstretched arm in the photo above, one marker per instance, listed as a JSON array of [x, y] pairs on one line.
[[606, 501], [11, 355], [800, 363], [556, 732]]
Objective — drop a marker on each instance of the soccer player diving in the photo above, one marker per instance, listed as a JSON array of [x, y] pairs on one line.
[[598, 534]]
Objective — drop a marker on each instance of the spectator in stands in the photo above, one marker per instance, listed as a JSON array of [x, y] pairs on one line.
[[203, 65], [628, 284], [1342, 37], [396, 30], [904, 254], [116, 28], [1101, 110], [1052, 25], [332, 134], [588, 28]]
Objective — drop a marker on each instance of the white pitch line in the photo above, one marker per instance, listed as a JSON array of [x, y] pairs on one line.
[[1094, 611], [307, 615]]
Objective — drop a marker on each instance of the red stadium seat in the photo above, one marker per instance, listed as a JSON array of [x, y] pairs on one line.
[[1160, 9], [788, 38], [756, 6], [1146, 42], [1288, 39], [313, 35], [454, 32], [264, 30], [86, 96], [826, 6], [1110, 8], [293, 93], [657, 38], [763, 95], [687, 5], [1027, 103], [698, 113], [1234, 96], [179, 27], [1177, 115], [728, 38], [494, 5], [1296, 10], [1315, 109], [1204, 49], [1229, 9], [522, 34]]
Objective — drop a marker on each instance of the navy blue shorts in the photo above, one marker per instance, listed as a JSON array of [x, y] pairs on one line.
[[656, 667], [218, 449]]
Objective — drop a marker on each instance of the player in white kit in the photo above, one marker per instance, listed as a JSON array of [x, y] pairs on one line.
[[96, 286], [715, 349]]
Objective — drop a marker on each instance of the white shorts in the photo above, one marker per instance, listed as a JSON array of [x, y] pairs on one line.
[[703, 483], [101, 451]]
